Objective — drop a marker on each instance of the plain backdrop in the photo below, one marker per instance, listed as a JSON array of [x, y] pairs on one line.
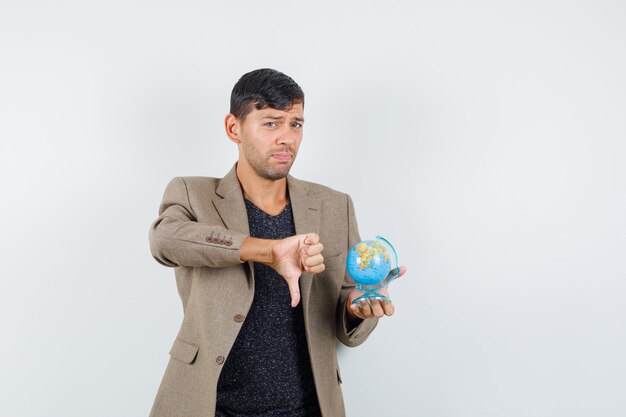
[[486, 140]]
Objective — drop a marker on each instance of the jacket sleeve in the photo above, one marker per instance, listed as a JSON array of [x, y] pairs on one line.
[[348, 335], [177, 239]]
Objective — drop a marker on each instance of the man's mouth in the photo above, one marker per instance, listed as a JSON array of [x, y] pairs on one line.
[[282, 156]]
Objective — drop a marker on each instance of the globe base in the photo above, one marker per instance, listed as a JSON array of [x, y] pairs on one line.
[[371, 295]]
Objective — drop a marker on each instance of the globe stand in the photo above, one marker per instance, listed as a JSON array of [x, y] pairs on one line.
[[370, 291]]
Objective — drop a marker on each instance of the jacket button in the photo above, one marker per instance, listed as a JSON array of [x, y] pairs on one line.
[[209, 239], [229, 243], [239, 318], [219, 360]]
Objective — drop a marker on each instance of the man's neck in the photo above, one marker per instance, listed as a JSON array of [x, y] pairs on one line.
[[268, 195]]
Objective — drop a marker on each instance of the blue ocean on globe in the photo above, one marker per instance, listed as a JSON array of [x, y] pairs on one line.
[[369, 262]]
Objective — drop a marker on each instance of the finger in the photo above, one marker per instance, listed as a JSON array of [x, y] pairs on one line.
[[377, 309], [315, 269], [388, 308], [311, 239], [402, 271], [313, 249], [356, 311], [294, 291], [314, 260], [366, 309]]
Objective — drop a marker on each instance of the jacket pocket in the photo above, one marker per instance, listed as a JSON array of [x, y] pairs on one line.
[[184, 351]]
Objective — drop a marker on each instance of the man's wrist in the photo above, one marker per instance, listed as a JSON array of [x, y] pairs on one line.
[[256, 250]]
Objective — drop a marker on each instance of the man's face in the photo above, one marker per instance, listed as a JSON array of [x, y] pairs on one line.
[[270, 140]]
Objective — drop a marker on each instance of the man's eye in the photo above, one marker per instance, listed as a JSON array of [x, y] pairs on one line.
[[296, 125], [270, 124]]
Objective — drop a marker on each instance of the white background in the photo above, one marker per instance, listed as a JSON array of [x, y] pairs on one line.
[[485, 139]]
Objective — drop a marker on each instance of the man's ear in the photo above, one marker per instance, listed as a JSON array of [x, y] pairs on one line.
[[233, 128]]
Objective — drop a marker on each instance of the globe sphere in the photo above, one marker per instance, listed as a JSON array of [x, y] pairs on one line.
[[370, 261]]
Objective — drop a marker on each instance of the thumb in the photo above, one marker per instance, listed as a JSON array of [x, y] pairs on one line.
[[401, 272], [294, 291]]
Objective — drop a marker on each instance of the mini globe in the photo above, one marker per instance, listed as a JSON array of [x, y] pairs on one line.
[[371, 261]]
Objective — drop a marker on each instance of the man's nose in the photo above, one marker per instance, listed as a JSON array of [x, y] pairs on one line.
[[286, 136]]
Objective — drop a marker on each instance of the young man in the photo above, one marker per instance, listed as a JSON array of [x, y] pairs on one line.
[[260, 268]]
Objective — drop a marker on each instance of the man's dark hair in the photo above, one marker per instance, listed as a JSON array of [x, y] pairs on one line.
[[264, 88]]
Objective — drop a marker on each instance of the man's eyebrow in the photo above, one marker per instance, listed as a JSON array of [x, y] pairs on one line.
[[298, 119]]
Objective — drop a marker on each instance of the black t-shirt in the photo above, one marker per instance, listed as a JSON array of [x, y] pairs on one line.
[[268, 371]]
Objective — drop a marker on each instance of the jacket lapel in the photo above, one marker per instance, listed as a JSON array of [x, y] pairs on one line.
[[306, 218], [232, 210], [230, 206]]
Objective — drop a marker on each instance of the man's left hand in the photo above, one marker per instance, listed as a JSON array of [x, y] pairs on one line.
[[373, 308]]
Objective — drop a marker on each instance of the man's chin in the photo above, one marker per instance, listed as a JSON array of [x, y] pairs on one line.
[[275, 174]]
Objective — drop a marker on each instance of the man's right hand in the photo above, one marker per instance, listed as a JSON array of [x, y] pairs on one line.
[[289, 257]]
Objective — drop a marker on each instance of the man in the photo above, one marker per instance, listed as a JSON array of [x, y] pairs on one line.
[[260, 268]]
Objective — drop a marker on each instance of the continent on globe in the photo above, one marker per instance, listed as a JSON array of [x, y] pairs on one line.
[[369, 252]]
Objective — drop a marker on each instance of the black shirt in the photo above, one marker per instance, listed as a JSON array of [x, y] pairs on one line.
[[268, 371]]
